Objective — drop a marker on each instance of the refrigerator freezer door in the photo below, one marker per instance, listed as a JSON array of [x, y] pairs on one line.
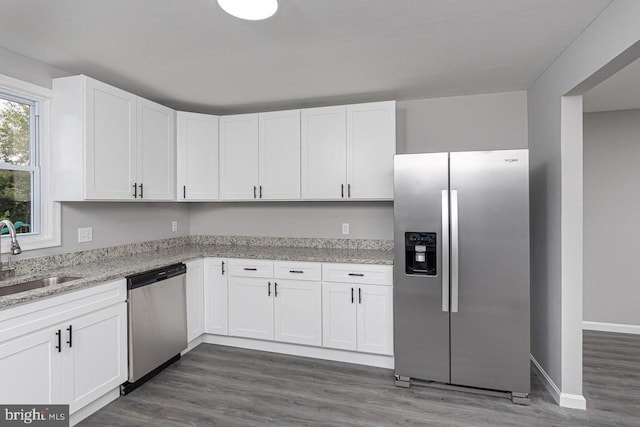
[[421, 325], [490, 330]]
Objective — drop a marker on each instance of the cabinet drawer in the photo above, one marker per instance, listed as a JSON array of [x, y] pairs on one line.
[[358, 273], [250, 268], [298, 270]]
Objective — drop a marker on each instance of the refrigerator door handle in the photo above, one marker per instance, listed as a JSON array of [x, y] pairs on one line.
[[454, 251], [445, 250]]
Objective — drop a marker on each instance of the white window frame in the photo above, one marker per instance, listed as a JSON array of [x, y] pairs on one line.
[[47, 232]]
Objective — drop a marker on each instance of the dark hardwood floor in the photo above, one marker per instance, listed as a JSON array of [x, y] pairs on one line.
[[222, 386]]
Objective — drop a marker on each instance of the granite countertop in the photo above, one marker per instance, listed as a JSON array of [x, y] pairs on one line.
[[100, 271]]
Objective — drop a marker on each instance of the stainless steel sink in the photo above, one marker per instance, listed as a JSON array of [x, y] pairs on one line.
[[35, 284]]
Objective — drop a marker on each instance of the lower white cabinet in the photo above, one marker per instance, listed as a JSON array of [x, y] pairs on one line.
[[94, 349], [298, 312], [358, 317], [195, 298], [251, 307], [216, 313]]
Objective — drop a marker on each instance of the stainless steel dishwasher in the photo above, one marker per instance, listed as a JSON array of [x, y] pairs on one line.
[[157, 322]]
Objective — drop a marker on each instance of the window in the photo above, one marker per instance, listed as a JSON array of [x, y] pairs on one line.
[[24, 172]]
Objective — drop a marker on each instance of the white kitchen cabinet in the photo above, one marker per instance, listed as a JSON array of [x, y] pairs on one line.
[[339, 316], [216, 320], [298, 312], [324, 153], [347, 152], [239, 161], [375, 319], [156, 151], [197, 156], [251, 307], [279, 155], [31, 369], [195, 298], [371, 145], [95, 355], [108, 144]]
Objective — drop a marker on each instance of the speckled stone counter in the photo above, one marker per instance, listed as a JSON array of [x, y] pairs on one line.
[[101, 270]]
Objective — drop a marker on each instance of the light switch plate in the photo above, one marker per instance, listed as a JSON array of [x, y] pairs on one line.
[[345, 228], [85, 234]]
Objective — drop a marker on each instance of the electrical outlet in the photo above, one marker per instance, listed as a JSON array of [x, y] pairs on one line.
[[345, 228], [174, 225], [85, 234]]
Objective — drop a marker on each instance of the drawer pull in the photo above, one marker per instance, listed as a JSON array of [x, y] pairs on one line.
[[250, 269], [59, 335], [296, 271], [356, 274], [269, 289]]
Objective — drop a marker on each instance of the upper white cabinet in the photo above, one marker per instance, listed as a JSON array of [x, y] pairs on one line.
[[279, 154], [197, 156], [260, 156], [109, 144], [324, 153], [239, 157], [347, 152]]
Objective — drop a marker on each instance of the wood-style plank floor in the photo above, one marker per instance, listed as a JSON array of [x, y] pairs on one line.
[[222, 386]]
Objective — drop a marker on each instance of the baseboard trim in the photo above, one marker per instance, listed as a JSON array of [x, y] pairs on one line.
[[94, 406], [611, 327], [566, 400], [193, 344], [376, 360]]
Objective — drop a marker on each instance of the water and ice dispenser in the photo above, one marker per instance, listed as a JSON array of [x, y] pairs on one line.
[[420, 253]]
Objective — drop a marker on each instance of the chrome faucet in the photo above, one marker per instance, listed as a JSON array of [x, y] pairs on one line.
[[15, 247]]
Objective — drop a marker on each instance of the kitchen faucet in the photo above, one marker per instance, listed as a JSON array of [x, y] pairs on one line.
[[15, 247]]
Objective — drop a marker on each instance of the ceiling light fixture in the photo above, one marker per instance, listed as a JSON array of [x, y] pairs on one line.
[[251, 10]]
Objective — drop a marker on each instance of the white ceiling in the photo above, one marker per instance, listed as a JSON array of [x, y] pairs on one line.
[[191, 55], [619, 92]]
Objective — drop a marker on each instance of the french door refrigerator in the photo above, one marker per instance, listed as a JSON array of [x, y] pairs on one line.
[[461, 273]]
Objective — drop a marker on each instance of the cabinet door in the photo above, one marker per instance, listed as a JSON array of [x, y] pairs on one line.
[[197, 156], [239, 157], [323, 149], [375, 319], [371, 144], [216, 320], [195, 299], [298, 312], [339, 316], [280, 155], [156, 155], [95, 359], [31, 369], [111, 148], [251, 308]]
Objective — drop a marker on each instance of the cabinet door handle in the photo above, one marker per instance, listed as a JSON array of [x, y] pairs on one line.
[[141, 191], [70, 329], [356, 274], [296, 271], [184, 191], [223, 268], [275, 290], [135, 190], [269, 289], [59, 335], [359, 296], [341, 190], [261, 191], [250, 269], [254, 191], [351, 295], [349, 190]]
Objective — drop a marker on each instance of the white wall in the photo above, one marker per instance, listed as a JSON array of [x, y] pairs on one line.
[[611, 214], [607, 45], [478, 122]]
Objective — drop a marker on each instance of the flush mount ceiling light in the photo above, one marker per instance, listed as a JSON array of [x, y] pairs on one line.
[[252, 10]]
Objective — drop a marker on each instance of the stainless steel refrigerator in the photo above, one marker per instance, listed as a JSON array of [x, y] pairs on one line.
[[461, 272]]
